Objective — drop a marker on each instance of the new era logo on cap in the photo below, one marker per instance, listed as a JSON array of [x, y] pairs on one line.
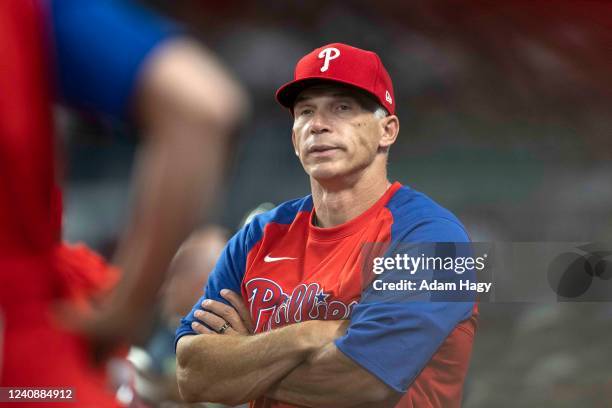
[[343, 64]]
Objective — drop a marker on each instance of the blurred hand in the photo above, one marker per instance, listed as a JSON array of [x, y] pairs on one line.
[[108, 330]]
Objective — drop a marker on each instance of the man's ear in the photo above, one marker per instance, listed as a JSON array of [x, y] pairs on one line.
[[389, 130]]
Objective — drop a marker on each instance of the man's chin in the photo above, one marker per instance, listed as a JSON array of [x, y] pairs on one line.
[[325, 173]]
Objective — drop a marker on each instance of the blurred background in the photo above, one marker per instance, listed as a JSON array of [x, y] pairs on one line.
[[506, 119]]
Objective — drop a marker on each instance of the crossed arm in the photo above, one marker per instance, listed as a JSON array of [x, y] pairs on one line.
[[297, 364]]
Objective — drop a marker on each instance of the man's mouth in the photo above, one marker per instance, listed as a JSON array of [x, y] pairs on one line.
[[321, 149]]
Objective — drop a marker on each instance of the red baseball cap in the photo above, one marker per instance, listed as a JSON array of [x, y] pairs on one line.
[[344, 64]]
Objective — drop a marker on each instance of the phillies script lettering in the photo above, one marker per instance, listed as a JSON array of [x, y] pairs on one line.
[[272, 308]]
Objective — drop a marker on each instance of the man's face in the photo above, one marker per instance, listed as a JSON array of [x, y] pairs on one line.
[[335, 131]]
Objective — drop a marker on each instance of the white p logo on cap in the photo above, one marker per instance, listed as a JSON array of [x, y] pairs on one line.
[[329, 54]]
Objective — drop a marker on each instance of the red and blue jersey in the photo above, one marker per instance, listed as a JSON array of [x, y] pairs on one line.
[[289, 271]]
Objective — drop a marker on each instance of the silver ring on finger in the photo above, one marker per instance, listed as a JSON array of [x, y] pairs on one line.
[[224, 328]]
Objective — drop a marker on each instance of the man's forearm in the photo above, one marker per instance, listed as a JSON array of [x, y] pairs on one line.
[[236, 369], [172, 185], [327, 378]]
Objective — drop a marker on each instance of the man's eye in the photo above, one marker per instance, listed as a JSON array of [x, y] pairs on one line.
[[344, 107], [305, 112]]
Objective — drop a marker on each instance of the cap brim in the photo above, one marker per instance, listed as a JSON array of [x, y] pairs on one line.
[[286, 94]]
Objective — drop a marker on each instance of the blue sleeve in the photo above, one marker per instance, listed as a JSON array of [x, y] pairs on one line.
[[227, 274], [230, 268], [394, 340], [100, 46]]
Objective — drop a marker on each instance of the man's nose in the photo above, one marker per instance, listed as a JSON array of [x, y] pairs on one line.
[[319, 123]]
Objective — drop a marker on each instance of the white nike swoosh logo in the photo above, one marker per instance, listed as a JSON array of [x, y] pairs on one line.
[[268, 258]]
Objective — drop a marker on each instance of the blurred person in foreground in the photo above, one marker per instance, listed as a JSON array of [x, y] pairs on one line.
[[117, 59], [187, 275], [189, 271], [283, 322]]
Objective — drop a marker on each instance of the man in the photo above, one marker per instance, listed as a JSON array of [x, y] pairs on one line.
[[187, 273], [189, 270], [294, 274], [113, 58]]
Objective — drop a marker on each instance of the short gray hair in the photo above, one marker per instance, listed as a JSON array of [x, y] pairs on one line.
[[380, 112]]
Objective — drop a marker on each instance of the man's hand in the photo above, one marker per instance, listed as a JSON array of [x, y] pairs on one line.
[[218, 316]]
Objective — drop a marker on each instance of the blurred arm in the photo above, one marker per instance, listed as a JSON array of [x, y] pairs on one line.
[[188, 107]]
